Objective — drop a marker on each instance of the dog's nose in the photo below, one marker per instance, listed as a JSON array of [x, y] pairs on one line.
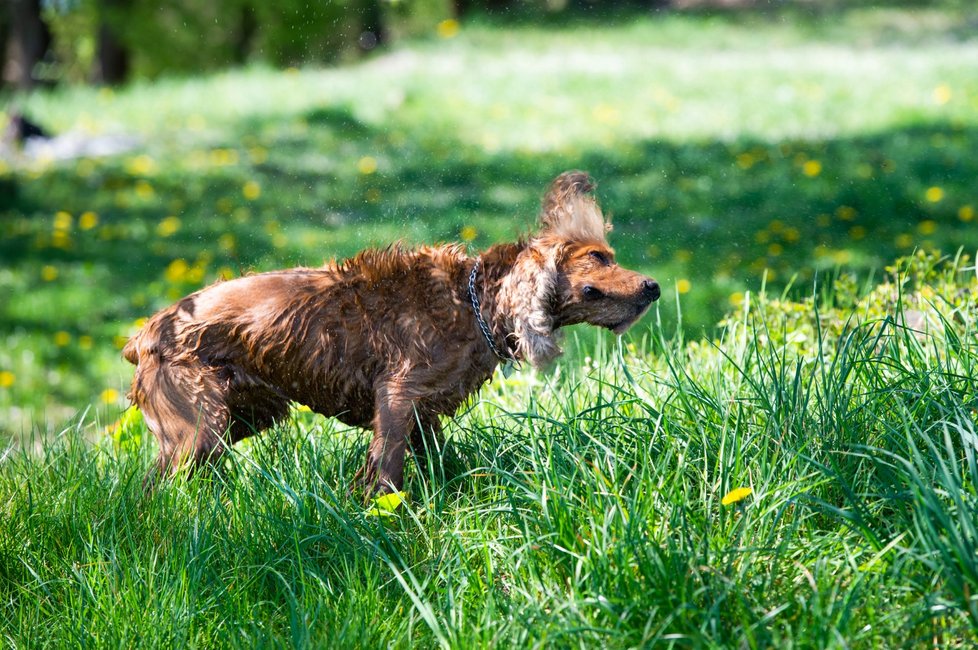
[[650, 290]]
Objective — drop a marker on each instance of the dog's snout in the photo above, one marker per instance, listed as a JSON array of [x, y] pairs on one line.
[[650, 290]]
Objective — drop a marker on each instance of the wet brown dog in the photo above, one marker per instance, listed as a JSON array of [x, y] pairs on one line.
[[389, 340]]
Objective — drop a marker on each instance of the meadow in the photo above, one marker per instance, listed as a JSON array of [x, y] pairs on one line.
[[769, 169]]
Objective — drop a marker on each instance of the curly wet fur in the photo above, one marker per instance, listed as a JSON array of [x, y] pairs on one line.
[[386, 340]]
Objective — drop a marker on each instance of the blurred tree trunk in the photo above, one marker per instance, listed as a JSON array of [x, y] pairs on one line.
[[372, 22], [27, 43], [245, 36], [112, 56]]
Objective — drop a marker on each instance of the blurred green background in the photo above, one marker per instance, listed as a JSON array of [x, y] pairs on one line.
[[735, 145]]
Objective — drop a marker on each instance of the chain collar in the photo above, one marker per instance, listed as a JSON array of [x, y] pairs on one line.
[[477, 308]]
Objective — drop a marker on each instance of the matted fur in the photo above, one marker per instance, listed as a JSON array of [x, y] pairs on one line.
[[387, 340]]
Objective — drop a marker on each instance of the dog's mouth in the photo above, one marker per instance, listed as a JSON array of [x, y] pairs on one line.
[[622, 326]]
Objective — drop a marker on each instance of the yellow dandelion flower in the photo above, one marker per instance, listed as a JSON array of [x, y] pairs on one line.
[[251, 190], [942, 94], [226, 242], [196, 273], [62, 220], [7, 379], [934, 194], [683, 255], [775, 249], [791, 235], [49, 273], [966, 213], [85, 342], [927, 227], [736, 299], [258, 155], [857, 232], [468, 233], [61, 239], [903, 240], [141, 165], [683, 285], [223, 157], [109, 396], [367, 165], [168, 226], [144, 190], [811, 168], [606, 114], [447, 28], [176, 271], [62, 338], [225, 273], [846, 212], [139, 322], [746, 160], [225, 205], [87, 220], [735, 495], [119, 341]]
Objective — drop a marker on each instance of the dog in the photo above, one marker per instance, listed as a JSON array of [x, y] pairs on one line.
[[389, 340]]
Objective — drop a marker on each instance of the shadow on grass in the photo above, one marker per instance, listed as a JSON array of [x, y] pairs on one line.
[[88, 248]]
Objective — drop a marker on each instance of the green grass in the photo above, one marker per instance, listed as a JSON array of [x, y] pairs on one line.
[[745, 159], [579, 510]]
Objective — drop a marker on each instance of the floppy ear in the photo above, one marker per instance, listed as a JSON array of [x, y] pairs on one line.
[[529, 296], [569, 210]]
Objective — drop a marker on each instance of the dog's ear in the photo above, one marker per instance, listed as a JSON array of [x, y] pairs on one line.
[[569, 211], [529, 297]]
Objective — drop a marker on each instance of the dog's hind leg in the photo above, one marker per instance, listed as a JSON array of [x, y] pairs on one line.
[[184, 404]]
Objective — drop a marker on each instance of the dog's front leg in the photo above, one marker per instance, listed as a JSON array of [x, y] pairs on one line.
[[394, 421]]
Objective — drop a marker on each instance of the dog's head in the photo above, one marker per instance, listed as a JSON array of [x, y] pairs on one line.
[[567, 274]]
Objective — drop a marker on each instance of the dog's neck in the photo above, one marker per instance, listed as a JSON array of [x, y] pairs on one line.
[[495, 265], [512, 292]]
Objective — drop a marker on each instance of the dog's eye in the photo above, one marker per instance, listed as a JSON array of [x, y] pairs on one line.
[[600, 258]]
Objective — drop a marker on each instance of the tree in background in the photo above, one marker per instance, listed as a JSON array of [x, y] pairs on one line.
[[112, 56], [28, 40]]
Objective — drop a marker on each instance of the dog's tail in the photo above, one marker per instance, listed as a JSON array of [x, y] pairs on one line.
[[131, 350], [147, 341], [183, 405]]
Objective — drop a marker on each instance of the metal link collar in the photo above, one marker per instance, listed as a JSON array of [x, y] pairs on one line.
[[477, 308]]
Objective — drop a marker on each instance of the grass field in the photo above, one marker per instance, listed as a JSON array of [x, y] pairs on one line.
[[747, 160]]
